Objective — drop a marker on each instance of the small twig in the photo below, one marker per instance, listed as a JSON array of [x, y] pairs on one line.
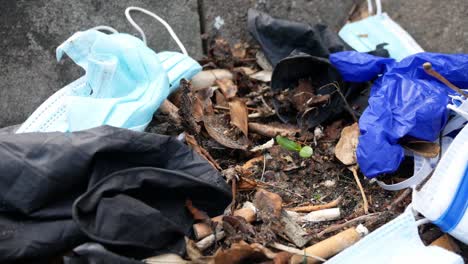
[[220, 107], [265, 103], [310, 208], [283, 189], [429, 70], [363, 194], [351, 222], [350, 109], [296, 251], [264, 166], [399, 199]]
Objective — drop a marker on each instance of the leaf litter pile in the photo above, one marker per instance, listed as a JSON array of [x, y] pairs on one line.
[[296, 190]]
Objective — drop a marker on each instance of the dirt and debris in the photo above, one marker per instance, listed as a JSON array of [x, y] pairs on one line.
[[229, 119]]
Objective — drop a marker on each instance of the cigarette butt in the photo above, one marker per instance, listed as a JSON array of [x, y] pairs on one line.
[[322, 215], [203, 230], [445, 241], [331, 246]]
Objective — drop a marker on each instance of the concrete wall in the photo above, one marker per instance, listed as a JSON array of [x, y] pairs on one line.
[[30, 30]]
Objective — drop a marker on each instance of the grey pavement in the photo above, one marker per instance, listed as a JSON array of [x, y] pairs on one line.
[[30, 30]]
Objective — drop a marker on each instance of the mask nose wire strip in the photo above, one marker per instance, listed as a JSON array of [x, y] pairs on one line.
[[162, 21], [107, 28]]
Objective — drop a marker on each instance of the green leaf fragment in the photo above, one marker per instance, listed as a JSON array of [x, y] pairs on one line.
[[306, 152], [288, 144]]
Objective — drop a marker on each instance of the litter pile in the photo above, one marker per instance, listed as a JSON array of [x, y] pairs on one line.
[[261, 157]]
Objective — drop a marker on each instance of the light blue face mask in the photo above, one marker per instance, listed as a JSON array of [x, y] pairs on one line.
[[366, 34], [396, 242], [124, 84]]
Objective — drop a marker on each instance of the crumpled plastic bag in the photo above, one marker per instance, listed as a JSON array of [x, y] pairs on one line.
[[123, 189], [404, 102], [300, 51]]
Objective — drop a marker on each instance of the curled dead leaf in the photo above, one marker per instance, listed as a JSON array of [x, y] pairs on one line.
[[239, 51], [239, 115], [269, 204], [216, 129], [423, 148], [345, 149], [246, 184], [228, 87], [243, 253]]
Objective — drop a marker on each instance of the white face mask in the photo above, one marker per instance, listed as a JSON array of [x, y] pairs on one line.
[[443, 199], [124, 84], [366, 34], [396, 242]]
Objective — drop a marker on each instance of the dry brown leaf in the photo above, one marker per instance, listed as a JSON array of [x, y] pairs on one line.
[[274, 129], [243, 253], [197, 109], [282, 258], [191, 141], [220, 99], [196, 213], [268, 203], [248, 168], [239, 50], [228, 87], [216, 130], [239, 115], [345, 149], [246, 184], [423, 148], [446, 242]]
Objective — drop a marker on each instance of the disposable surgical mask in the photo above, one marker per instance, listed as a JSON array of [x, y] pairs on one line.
[[366, 34], [124, 84], [395, 242], [443, 199]]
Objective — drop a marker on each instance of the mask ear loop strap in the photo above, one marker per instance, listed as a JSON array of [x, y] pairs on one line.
[[106, 28], [162, 21]]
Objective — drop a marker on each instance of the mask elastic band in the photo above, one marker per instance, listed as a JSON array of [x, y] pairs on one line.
[[370, 8], [106, 28], [162, 21]]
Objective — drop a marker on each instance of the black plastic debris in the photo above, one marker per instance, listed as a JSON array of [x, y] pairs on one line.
[[125, 190], [300, 51]]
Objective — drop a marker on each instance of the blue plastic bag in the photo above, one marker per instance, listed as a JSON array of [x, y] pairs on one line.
[[404, 102]]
